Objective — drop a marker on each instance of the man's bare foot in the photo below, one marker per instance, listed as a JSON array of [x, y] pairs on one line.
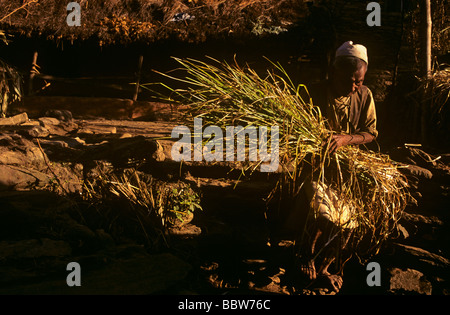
[[307, 269], [331, 282]]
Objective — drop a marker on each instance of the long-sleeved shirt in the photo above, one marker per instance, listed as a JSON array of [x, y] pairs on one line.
[[347, 114]]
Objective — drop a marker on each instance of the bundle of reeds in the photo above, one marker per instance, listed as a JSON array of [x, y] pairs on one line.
[[366, 181]]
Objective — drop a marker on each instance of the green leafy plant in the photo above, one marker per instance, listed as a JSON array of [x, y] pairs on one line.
[[181, 204], [134, 202]]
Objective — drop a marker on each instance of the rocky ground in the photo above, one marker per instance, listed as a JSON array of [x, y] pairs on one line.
[[223, 249]]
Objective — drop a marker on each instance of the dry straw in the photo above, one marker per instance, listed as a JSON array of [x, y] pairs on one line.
[[10, 82], [369, 182]]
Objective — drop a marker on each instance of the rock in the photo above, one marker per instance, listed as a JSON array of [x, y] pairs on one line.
[[421, 258], [14, 120], [97, 130], [25, 165], [125, 135], [16, 177], [31, 123], [54, 144], [121, 152], [418, 171], [408, 281], [75, 142], [37, 132], [34, 248], [41, 214], [16, 150], [60, 114], [105, 240], [143, 275], [185, 230], [421, 219], [62, 148], [14, 275], [419, 225], [78, 234], [56, 127], [46, 121], [60, 177]]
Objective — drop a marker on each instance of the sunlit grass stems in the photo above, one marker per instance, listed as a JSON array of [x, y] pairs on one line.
[[10, 86], [134, 204], [10, 81], [434, 93], [369, 182]]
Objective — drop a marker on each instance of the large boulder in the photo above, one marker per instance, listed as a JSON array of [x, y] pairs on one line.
[[20, 178], [19, 151]]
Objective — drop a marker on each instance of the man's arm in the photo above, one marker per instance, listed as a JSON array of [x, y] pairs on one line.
[[338, 141], [367, 128]]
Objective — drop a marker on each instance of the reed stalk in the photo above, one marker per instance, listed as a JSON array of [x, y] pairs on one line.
[[369, 182]]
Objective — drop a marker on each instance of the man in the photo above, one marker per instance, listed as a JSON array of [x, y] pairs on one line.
[[347, 104], [349, 109]]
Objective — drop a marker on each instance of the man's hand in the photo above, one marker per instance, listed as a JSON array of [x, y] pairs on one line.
[[338, 141]]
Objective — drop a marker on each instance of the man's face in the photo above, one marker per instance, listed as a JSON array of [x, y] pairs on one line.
[[346, 83]]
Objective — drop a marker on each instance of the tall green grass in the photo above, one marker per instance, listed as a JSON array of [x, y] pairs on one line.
[[225, 94]]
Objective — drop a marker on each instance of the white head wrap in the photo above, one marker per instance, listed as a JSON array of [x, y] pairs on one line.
[[349, 49]]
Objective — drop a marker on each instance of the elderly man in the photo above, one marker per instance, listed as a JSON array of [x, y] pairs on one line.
[[349, 108]]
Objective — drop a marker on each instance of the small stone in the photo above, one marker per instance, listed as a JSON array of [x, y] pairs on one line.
[[98, 130], [45, 121], [125, 135], [409, 281], [38, 132], [186, 230], [419, 171], [60, 114]]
